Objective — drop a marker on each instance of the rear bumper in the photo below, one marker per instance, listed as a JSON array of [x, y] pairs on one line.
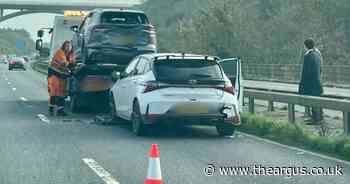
[[190, 119], [16, 66]]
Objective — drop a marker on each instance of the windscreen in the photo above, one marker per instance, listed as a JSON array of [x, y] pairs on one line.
[[123, 18], [186, 70]]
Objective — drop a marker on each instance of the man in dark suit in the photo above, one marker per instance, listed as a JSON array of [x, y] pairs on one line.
[[310, 83]]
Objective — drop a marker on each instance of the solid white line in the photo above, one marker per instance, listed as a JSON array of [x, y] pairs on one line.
[[299, 150], [43, 118], [100, 171], [23, 99]]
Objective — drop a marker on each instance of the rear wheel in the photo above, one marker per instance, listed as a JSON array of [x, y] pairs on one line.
[[138, 127], [225, 129]]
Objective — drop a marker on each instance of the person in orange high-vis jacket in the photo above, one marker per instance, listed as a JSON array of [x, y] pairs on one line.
[[58, 73]]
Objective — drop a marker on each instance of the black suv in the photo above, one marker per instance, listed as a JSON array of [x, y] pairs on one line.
[[106, 41], [113, 36]]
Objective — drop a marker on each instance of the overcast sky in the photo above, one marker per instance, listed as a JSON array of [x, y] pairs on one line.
[[34, 22]]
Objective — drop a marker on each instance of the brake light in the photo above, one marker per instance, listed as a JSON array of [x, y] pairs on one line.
[[151, 86], [12, 62], [229, 89]]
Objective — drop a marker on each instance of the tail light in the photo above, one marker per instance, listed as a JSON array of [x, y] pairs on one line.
[[151, 86], [12, 62], [229, 89]]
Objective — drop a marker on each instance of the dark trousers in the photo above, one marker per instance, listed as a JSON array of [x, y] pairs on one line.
[[58, 101]]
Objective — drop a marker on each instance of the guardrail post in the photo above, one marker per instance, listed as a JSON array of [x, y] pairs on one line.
[[270, 106], [346, 118], [251, 105], [291, 113]]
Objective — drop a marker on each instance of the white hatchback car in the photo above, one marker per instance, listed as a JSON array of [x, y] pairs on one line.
[[178, 89]]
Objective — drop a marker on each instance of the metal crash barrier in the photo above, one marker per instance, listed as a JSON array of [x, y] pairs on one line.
[[295, 99]]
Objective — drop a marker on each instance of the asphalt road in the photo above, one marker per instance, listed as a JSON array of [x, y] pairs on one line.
[[36, 150]]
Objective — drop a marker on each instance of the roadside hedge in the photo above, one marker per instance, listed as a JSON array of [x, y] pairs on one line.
[[292, 134]]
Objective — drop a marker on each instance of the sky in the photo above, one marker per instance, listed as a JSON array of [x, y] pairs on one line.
[[33, 22]]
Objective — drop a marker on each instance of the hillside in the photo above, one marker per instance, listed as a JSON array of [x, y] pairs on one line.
[[8, 39], [263, 31]]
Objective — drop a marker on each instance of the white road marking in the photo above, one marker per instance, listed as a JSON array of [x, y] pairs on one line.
[[14, 89], [9, 83], [299, 150], [100, 171], [23, 99], [43, 118]]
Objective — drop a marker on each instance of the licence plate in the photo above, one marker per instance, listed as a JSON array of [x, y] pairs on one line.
[[124, 40], [191, 109]]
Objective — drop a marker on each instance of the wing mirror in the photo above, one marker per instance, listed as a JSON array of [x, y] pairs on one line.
[[116, 76], [74, 28], [39, 44]]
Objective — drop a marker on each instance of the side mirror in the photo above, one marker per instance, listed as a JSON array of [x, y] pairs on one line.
[[74, 28], [123, 75], [39, 44], [40, 33], [116, 76]]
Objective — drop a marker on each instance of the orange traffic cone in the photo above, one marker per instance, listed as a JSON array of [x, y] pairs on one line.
[[154, 174]]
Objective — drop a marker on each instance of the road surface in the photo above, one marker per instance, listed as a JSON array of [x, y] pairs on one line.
[[38, 149]]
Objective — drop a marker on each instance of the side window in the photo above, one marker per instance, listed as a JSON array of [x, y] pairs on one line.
[[131, 66], [142, 66]]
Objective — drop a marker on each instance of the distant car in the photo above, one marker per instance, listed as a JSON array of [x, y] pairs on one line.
[[17, 63], [176, 89], [3, 59]]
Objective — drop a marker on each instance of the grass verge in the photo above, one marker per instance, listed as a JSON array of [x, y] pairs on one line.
[[292, 134]]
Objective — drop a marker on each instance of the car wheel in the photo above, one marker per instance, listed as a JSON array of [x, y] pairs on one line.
[[138, 127], [113, 110], [10, 68], [225, 129]]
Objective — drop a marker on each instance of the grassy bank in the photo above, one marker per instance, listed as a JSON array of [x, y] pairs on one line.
[[291, 134]]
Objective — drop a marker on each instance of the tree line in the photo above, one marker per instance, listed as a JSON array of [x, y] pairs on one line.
[[8, 39], [261, 31]]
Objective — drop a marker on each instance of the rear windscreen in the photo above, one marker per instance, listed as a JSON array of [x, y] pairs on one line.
[[185, 70], [123, 18]]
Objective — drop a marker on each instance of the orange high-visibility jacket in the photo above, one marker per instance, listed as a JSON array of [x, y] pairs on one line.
[[56, 85]]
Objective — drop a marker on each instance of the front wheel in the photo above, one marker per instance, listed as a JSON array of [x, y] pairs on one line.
[[225, 129], [138, 127]]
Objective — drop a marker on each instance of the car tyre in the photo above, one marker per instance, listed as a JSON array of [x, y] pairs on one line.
[[138, 127], [225, 129], [113, 110]]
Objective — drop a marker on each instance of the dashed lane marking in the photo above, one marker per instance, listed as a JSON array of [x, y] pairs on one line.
[[100, 171], [23, 99], [9, 83], [14, 89], [43, 118]]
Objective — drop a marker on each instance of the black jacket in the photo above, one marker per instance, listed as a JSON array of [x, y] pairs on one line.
[[310, 83]]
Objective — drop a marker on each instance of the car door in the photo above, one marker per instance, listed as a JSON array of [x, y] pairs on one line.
[[134, 84], [121, 89], [233, 70]]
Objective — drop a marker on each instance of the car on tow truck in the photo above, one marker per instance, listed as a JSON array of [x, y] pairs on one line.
[[106, 41], [178, 88]]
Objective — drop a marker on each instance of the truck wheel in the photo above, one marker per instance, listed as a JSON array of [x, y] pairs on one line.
[[225, 129]]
